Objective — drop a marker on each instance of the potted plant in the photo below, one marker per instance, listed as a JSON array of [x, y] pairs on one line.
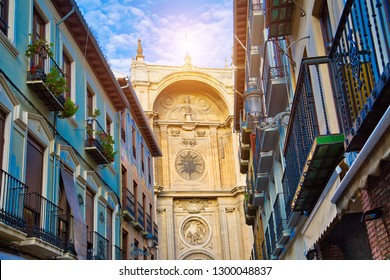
[[70, 108], [96, 113], [40, 47], [108, 142], [55, 82]]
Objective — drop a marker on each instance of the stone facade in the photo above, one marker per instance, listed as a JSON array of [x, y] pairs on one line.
[[199, 189]]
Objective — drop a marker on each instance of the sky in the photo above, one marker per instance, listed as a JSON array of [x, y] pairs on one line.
[[167, 28]]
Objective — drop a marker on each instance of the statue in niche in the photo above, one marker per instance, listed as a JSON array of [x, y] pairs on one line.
[[188, 109]]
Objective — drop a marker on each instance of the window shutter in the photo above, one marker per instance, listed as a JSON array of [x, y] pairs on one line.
[[2, 129], [34, 166]]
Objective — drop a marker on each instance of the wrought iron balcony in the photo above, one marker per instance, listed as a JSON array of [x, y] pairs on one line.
[[98, 246], [279, 16], [275, 72], [119, 253], [148, 224], [139, 223], [282, 232], [361, 69], [310, 156], [96, 142], [128, 205], [42, 219], [12, 201], [37, 81], [155, 233]]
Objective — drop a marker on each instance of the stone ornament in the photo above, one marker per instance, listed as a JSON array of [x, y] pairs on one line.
[[190, 165], [193, 205], [195, 231]]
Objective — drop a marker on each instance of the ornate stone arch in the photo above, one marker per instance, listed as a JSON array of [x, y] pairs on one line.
[[198, 254]]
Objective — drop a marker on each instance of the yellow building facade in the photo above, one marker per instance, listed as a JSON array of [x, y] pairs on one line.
[[199, 189]]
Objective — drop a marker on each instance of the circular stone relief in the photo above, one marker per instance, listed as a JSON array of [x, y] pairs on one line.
[[190, 165], [195, 231]]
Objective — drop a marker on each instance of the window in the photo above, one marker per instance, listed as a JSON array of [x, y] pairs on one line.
[[125, 237], [108, 124], [133, 137], [142, 158], [123, 127], [326, 26], [149, 171], [89, 103], [4, 16], [2, 132], [34, 166], [38, 33], [67, 69]]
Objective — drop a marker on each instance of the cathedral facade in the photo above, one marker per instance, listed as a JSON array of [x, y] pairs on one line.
[[198, 186]]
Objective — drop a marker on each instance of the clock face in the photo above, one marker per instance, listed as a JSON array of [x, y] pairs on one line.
[[189, 165]]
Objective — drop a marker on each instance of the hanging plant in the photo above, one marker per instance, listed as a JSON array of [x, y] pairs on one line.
[[96, 113], [70, 108], [107, 142], [40, 47], [55, 82]]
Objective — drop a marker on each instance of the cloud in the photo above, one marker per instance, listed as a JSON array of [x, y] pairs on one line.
[[163, 30]]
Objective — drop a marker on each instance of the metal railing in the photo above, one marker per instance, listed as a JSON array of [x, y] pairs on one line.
[[100, 246], [42, 219], [280, 222], [13, 192], [140, 215], [148, 223], [94, 134], [155, 232], [129, 202], [271, 227], [119, 253], [303, 127], [360, 54], [268, 244]]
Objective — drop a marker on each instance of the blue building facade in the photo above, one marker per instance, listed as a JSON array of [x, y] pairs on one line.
[[61, 111]]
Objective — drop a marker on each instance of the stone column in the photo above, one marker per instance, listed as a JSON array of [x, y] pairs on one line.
[[164, 168], [215, 157], [224, 233]]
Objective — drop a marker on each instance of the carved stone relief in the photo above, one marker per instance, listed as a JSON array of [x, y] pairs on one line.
[[193, 205], [195, 231]]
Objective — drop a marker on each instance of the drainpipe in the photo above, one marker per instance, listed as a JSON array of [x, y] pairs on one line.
[[379, 130], [55, 157], [58, 30]]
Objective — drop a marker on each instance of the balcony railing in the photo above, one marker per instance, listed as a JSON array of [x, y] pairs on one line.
[[13, 192], [128, 205], [99, 248], [271, 227], [280, 220], [310, 156], [139, 222], [268, 244], [119, 253], [148, 223], [95, 141], [37, 81], [360, 66], [155, 232], [42, 219]]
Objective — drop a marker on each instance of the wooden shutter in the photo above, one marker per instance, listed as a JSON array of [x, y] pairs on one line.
[[2, 129], [89, 210], [109, 232], [34, 166]]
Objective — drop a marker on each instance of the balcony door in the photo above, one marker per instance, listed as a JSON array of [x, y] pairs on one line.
[[2, 129], [34, 174]]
